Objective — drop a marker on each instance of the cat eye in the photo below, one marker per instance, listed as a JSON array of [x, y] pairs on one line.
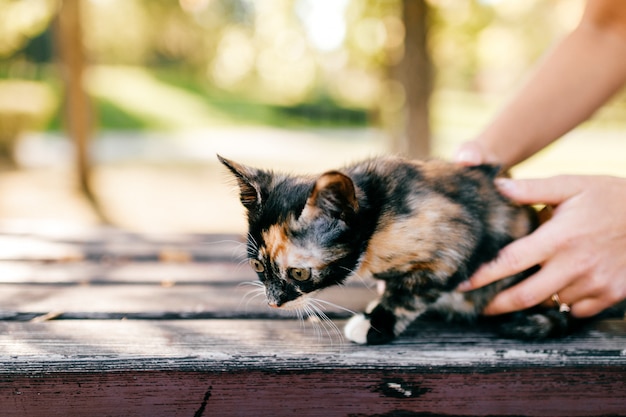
[[299, 274], [257, 265]]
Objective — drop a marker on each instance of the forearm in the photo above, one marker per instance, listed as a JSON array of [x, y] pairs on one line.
[[573, 81]]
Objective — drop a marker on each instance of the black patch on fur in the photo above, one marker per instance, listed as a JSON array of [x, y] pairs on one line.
[[287, 197], [536, 324], [382, 323]]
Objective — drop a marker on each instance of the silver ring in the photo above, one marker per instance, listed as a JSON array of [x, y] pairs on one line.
[[563, 307]]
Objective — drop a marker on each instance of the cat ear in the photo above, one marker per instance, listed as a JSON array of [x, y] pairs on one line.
[[334, 194], [247, 179]]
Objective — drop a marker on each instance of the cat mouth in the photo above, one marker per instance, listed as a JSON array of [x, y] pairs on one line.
[[289, 305], [297, 304]]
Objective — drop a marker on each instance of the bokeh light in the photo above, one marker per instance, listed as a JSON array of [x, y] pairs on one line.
[[294, 84]]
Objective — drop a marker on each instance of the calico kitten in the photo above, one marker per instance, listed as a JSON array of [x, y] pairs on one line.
[[422, 227]]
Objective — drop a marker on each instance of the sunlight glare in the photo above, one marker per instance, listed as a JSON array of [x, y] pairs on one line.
[[324, 22]]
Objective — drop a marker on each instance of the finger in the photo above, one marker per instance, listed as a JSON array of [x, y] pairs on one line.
[[579, 290], [552, 190], [589, 307], [530, 292], [514, 258], [469, 153], [587, 296]]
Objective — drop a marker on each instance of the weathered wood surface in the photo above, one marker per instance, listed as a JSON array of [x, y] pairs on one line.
[[111, 323]]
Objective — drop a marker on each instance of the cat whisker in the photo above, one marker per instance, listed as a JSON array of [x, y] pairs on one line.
[[366, 283], [328, 303], [221, 242], [241, 263], [236, 253], [314, 320], [325, 322], [254, 291], [239, 253], [237, 243], [253, 294], [300, 315], [251, 283], [252, 243]]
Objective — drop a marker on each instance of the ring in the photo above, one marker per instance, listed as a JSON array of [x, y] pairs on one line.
[[563, 307]]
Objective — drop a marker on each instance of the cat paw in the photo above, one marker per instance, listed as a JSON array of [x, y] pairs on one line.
[[356, 329], [536, 326], [359, 329]]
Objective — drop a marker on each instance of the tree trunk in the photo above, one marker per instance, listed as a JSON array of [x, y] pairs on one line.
[[414, 72], [78, 110]]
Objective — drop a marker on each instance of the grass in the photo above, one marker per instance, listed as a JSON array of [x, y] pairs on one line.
[[135, 98]]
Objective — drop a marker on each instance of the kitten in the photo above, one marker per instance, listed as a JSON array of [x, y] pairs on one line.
[[422, 227]]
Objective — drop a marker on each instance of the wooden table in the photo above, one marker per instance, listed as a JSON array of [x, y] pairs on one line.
[[109, 323]]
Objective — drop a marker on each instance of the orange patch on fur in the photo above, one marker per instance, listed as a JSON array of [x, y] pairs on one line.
[[276, 241], [412, 243]]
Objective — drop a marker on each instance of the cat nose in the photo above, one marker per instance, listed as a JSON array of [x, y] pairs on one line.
[[273, 304]]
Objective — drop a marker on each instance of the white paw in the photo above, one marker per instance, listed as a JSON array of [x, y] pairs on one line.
[[356, 329]]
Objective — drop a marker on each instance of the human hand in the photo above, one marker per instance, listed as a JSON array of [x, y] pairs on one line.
[[581, 250], [473, 153]]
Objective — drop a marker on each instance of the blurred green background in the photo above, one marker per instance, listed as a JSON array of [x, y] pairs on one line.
[[301, 85]]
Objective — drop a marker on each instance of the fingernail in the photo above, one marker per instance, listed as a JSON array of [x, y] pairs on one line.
[[504, 184], [464, 286], [468, 157]]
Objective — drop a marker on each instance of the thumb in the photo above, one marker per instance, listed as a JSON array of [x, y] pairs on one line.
[[469, 154], [554, 190]]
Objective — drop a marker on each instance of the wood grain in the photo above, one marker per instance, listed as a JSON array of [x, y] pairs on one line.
[[121, 246], [263, 368], [234, 300], [341, 392], [110, 323], [124, 272]]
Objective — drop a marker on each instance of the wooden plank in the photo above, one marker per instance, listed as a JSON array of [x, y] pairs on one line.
[[128, 272], [564, 392], [106, 345], [260, 365], [219, 300], [124, 272], [232, 367], [61, 232], [120, 247]]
